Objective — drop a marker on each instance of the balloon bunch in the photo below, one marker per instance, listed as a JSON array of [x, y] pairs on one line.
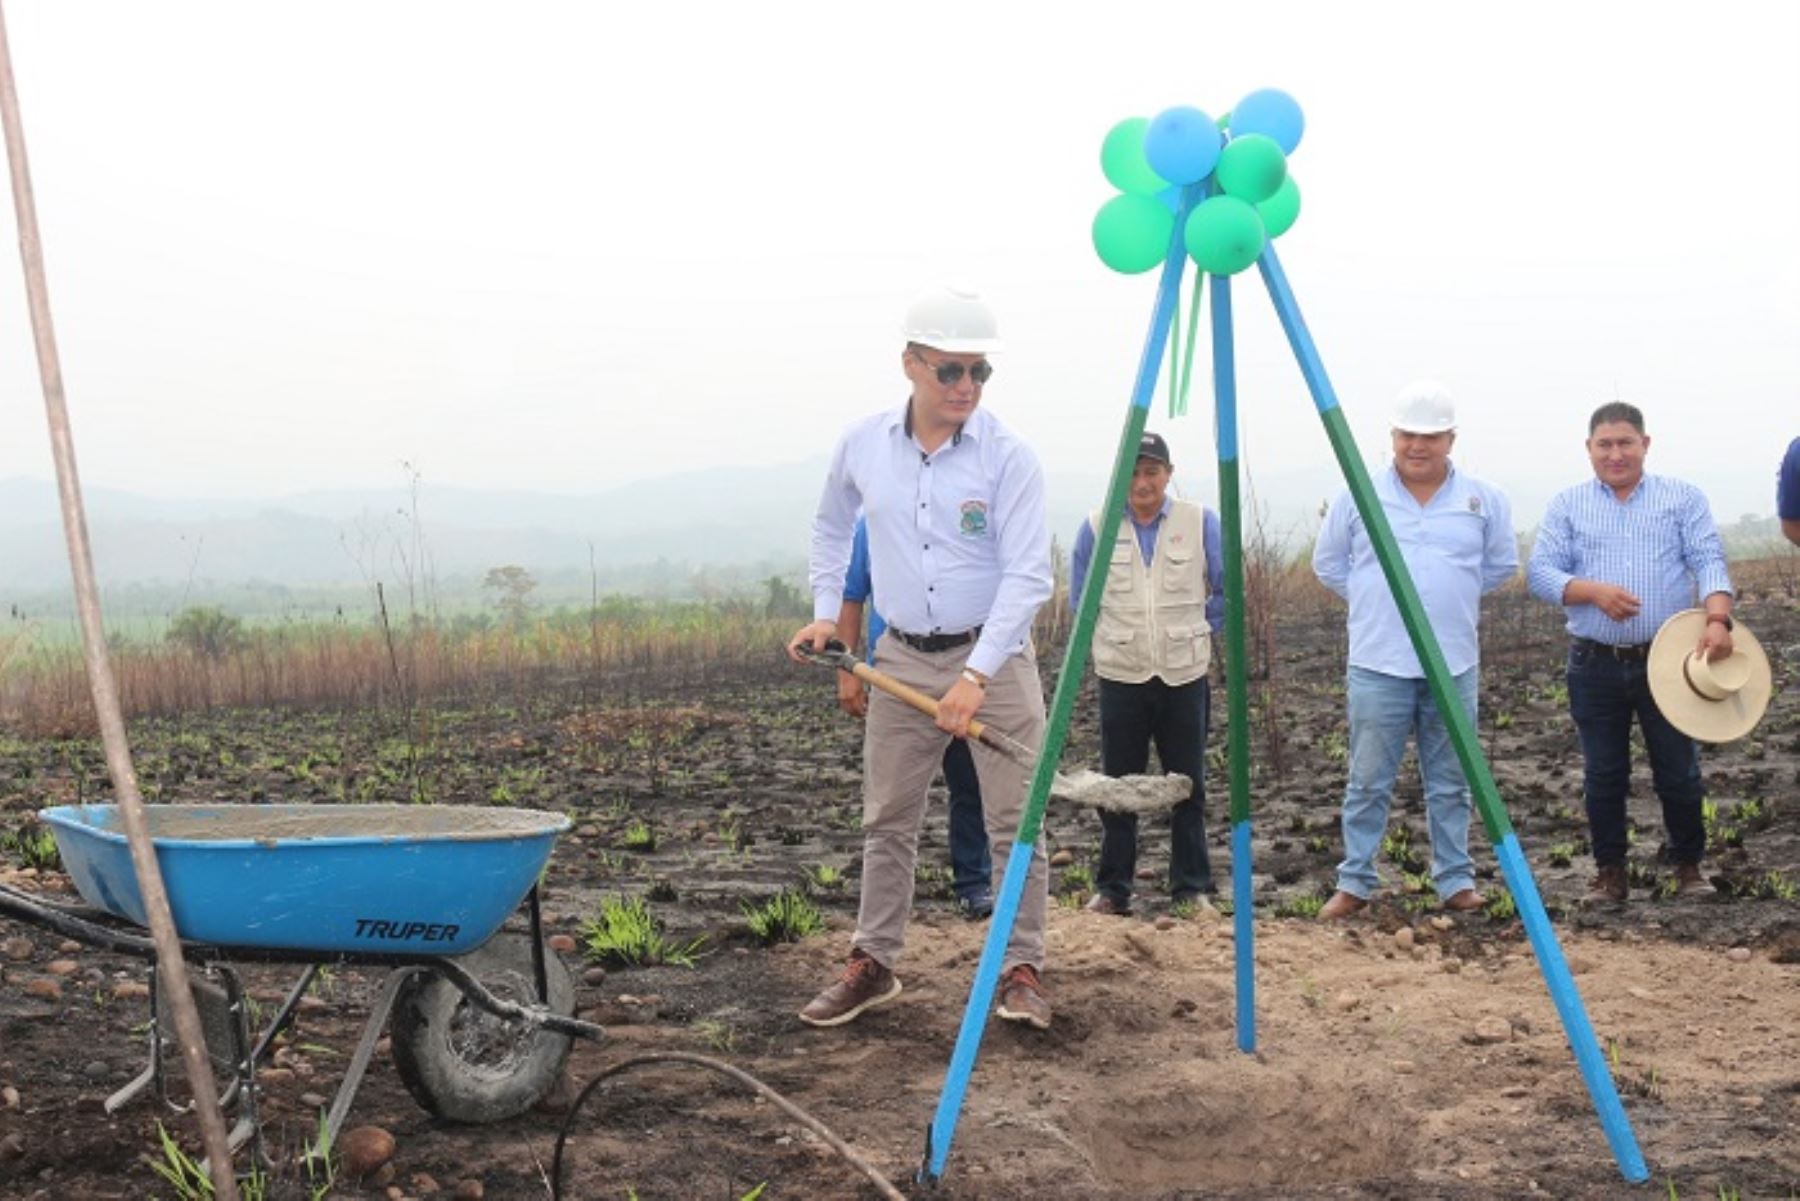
[[1241, 160]]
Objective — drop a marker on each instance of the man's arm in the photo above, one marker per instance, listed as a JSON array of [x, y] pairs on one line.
[[1500, 554], [853, 698], [1704, 552], [832, 535], [1787, 493], [1023, 541], [1023, 545], [1551, 572], [1080, 558], [1215, 570], [1331, 553]]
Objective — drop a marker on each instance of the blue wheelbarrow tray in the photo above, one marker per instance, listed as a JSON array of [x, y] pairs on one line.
[[368, 879]]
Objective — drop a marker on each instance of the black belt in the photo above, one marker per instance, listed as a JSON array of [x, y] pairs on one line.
[[931, 644], [1634, 653]]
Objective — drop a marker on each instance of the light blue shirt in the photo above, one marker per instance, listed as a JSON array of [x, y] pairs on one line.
[[859, 587], [957, 538], [1457, 546], [1659, 544], [1082, 554]]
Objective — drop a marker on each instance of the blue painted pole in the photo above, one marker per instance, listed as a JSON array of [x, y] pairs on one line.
[[1236, 666], [1068, 684], [1463, 738]]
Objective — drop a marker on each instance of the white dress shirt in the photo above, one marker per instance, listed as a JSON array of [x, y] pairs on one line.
[[957, 538]]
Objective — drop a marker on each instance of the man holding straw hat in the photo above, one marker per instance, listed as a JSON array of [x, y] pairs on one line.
[[1624, 553]]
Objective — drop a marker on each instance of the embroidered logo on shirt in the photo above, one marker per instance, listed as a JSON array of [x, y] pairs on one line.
[[1474, 504], [974, 518]]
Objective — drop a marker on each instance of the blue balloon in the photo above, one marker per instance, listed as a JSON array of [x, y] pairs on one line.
[[1171, 198], [1182, 144], [1273, 113]]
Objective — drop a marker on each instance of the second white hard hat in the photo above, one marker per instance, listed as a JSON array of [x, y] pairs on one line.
[[1424, 407], [953, 319]]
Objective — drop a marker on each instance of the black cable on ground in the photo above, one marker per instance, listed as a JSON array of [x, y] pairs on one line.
[[742, 1077]]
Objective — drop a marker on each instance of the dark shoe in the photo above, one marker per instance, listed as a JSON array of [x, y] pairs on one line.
[[863, 985], [1022, 997], [977, 906], [1610, 885], [1103, 904], [1341, 905], [1690, 883], [1465, 901]]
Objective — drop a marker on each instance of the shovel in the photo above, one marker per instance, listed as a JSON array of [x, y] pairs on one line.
[[1119, 794]]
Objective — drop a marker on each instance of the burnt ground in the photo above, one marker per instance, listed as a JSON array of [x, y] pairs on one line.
[[1371, 1079]]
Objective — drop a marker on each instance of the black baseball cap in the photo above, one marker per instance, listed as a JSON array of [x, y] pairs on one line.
[[1152, 446]]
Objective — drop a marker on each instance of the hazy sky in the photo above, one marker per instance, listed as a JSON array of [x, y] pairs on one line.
[[562, 246]]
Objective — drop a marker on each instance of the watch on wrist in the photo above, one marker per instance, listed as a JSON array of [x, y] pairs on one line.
[[974, 677], [1723, 619]]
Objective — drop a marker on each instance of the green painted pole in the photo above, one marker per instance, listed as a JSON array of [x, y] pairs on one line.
[[1062, 706], [1561, 982]]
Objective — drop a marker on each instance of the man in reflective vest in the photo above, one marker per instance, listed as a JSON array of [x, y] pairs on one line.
[[1152, 647]]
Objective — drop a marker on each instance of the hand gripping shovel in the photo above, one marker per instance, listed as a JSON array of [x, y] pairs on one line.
[[1120, 794]]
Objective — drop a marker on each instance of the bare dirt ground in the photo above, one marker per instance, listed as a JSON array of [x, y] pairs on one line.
[[1401, 1054]]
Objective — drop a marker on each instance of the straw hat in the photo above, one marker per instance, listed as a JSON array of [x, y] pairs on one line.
[[1712, 702]]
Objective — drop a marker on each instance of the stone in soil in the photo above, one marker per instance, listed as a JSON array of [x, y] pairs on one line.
[[44, 989], [364, 1149], [1488, 1031]]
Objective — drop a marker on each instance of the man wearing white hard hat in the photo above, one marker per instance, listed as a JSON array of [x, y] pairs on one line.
[[960, 555], [1455, 534], [1622, 554]]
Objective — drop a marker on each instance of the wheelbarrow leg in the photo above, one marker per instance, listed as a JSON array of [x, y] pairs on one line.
[[285, 1014], [365, 1050]]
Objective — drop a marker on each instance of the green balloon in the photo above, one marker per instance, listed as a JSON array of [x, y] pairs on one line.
[[1224, 235], [1280, 211], [1131, 233], [1122, 159], [1251, 167]]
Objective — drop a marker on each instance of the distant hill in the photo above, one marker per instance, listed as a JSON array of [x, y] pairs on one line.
[[692, 534]]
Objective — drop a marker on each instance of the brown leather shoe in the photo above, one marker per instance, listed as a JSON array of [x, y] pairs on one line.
[[1022, 997], [864, 984], [1690, 883], [1341, 905], [1465, 901], [1610, 885], [1101, 903]]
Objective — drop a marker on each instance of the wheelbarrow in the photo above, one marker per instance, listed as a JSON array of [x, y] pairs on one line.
[[481, 1018]]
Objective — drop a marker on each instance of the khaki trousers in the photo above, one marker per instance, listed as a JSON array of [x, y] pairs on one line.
[[901, 750]]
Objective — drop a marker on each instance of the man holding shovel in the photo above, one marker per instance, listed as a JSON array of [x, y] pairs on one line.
[[971, 866], [960, 554]]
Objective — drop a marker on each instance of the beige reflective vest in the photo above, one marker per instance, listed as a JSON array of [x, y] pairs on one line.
[[1153, 618]]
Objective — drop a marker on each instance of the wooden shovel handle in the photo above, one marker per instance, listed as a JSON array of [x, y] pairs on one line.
[[912, 696]]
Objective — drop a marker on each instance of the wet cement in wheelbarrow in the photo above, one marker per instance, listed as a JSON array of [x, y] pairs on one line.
[[261, 823]]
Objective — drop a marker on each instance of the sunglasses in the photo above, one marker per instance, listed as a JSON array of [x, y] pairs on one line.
[[950, 374]]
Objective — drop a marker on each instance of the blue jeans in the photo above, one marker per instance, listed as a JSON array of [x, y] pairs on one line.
[[1384, 712], [971, 868], [1604, 694]]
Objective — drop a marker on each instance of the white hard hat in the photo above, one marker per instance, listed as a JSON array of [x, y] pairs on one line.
[[953, 319], [1424, 407]]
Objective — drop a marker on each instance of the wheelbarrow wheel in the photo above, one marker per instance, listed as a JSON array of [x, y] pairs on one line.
[[466, 1065]]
